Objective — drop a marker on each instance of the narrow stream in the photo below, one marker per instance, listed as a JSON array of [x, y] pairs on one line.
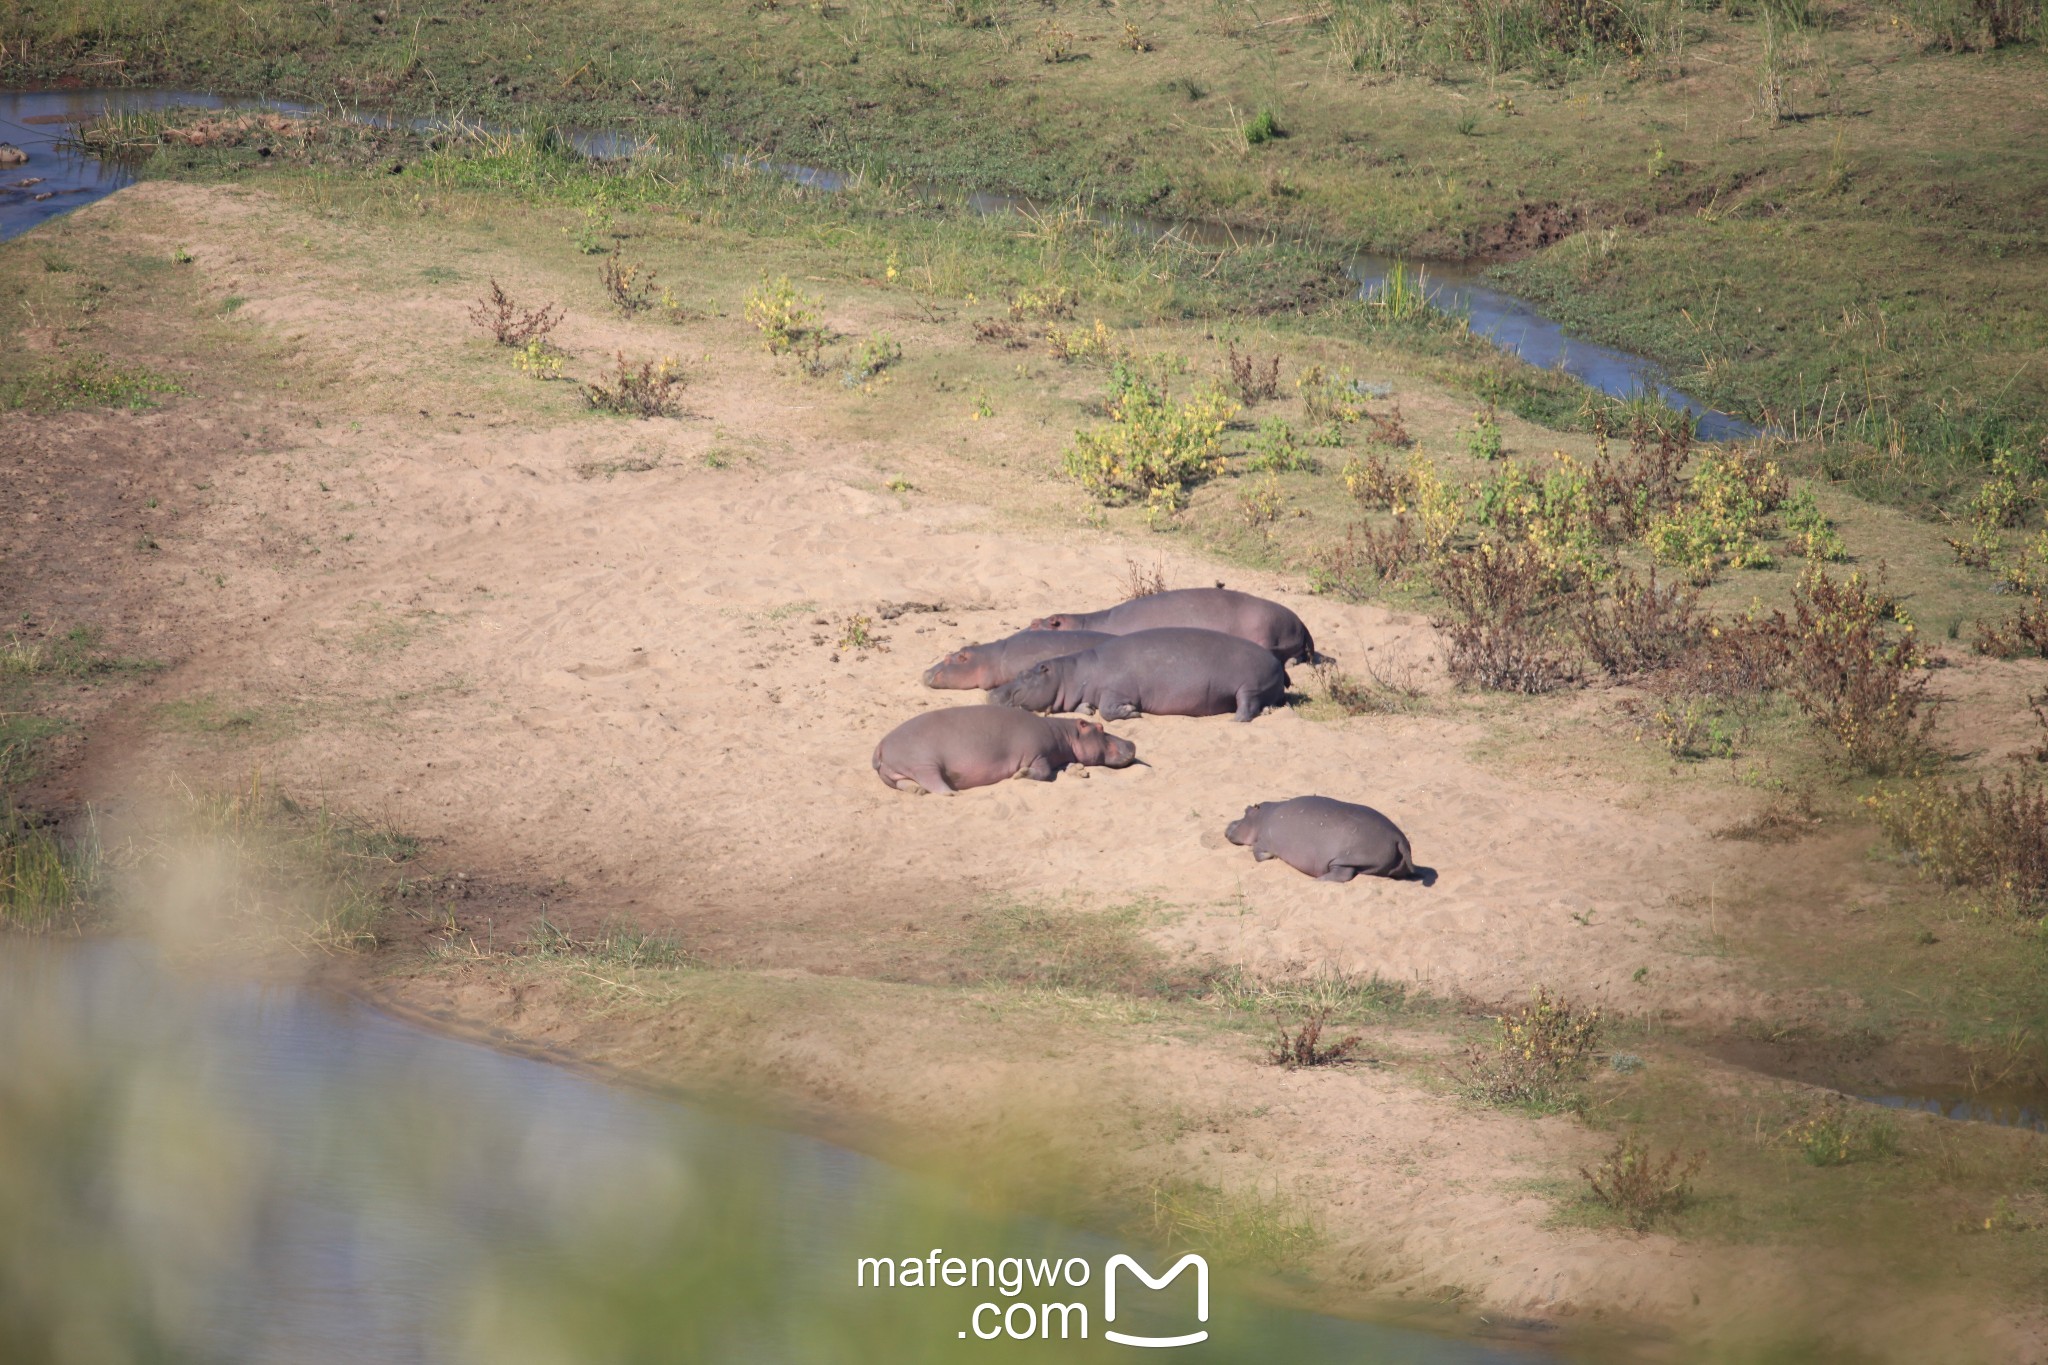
[[218, 1170], [59, 178]]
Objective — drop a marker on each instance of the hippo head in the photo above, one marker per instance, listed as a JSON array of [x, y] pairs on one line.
[[958, 669], [1059, 620], [1034, 690], [1097, 747], [1245, 830]]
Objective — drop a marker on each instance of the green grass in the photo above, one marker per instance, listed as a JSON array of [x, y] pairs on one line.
[[1711, 233]]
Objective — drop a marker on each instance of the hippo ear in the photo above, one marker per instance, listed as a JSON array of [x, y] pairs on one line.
[[1087, 727]]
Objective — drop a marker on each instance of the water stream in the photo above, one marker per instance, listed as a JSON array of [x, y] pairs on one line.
[[60, 177], [237, 1172]]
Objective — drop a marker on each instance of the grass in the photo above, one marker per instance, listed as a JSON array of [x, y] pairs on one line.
[[1056, 948], [46, 880], [1731, 257]]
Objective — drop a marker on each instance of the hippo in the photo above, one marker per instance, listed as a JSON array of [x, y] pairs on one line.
[[11, 155], [978, 746], [1160, 672], [1332, 841], [1233, 613], [995, 663]]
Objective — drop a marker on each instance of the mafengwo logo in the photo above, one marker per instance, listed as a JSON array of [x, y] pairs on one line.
[[1029, 1316]]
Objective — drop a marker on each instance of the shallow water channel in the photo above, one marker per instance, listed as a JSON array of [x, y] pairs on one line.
[[65, 177], [215, 1169]]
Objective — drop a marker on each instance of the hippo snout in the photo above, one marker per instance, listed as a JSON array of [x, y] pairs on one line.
[[1119, 753], [1237, 832]]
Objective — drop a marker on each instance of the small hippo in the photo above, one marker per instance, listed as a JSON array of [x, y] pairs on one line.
[[11, 155], [1233, 613], [978, 746], [995, 663], [1155, 672], [1332, 841]]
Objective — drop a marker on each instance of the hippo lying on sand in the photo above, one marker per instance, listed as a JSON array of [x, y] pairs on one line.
[[995, 663], [1155, 672], [1332, 841], [1233, 613], [978, 746]]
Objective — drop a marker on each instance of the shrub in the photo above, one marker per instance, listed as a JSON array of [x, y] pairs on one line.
[[1375, 483], [1810, 529], [1833, 1136], [1328, 398], [1385, 688], [1862, 686], [510, 325], [784, 316], [2024, 632], [1305, 1048], [1043, 304], [1483, 442], [873, 357], [1537, 1053], [1720, 520], [1142, 580], [1499, 634], [1639, 1187], [1152, 447], [1082, 343], [2003, 502], [1259, 504], [628, 285], [1263, 126], [1550, 509], [1274, 451], [1637, 627], [1254, 381], [1632, 490], [1991, 837], [1370, 556], [653, 388], [540, 359]]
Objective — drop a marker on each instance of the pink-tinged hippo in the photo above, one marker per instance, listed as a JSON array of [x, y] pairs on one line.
[[1155, 672], [1332, 841], [995, 663], [1221, 609], [978, 746]]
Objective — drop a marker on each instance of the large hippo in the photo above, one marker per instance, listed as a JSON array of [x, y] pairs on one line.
[[977, 746], [995, 663], [1233, 613], [1332, 841], [1155, 672]]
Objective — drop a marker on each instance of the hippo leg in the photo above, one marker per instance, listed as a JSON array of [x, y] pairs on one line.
[[1112, 707], [933, 779], [1248, 704], [1039, 769], [1259, 855], [1339, 872]]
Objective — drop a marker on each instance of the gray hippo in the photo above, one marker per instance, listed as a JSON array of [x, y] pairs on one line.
[[978, 746], [1233, 613], [1155, 672], [1332, 841], [995, 663]]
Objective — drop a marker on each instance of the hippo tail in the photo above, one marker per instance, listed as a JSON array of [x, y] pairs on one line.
[[1406, 870], [1308, 654]]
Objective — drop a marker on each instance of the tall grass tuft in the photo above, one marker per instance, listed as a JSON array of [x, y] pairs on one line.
[[45, 880]]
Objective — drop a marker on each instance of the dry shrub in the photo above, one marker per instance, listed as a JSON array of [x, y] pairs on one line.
[[629, 285], [653, 388], [1377, 485], [1389, 428], [1254, 380], [1641, 1188], [509, 324], [1631, 490], [1863, 686], [1537, 1054], [1501, 629], [1385, 688], [2023, 633], [1994, 838], [1142, 580], [1370, 557], [1305, 1048], [1782, 820], [1007, 335], [1638, 627]]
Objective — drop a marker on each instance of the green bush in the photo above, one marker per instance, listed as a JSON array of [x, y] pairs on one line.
[[1994, 838], [1152, 447]]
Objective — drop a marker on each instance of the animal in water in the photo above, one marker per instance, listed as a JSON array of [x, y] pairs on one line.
[[978, 746], [998, 661], [1174, 672], [1330, 840], [11, 155], [1219, 609]]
